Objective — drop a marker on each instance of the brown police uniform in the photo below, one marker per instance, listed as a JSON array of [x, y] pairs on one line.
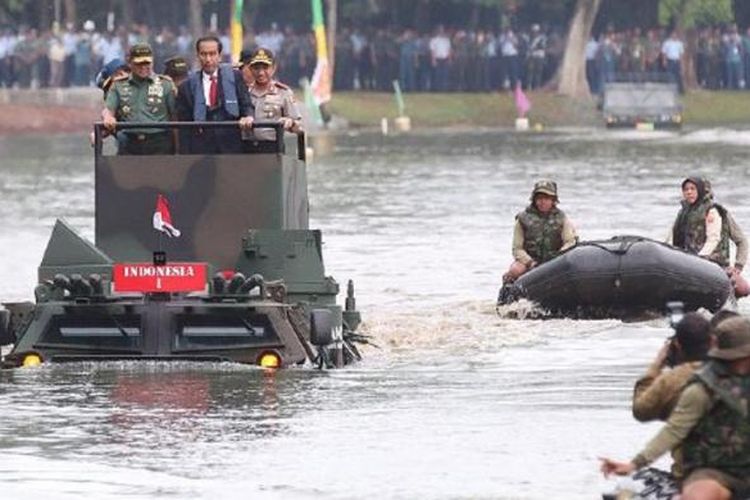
[[273, 103]]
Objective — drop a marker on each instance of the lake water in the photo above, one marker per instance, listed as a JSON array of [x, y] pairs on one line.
[[455, 402]]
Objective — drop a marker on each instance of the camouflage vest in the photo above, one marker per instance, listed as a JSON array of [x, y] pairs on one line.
[[690, 230], [721, 439], [542, 234]]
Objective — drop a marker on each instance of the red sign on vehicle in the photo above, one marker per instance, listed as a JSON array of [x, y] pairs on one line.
[[171, 277]]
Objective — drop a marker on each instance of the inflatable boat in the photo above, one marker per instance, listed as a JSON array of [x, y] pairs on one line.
[[621, 277]]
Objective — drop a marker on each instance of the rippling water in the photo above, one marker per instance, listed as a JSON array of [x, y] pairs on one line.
[[455, 403]]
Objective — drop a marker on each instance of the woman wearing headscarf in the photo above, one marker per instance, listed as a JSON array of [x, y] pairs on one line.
[[705, 228]]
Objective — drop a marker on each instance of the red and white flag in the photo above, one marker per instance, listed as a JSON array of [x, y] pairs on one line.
[[163, 219]]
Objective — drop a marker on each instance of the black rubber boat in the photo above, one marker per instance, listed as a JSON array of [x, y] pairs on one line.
[[621, 277]]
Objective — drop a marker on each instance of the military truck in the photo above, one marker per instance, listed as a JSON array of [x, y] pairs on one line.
[[643, 105], [198, 257]]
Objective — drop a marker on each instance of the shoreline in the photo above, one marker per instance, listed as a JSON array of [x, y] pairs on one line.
[[52, 111]]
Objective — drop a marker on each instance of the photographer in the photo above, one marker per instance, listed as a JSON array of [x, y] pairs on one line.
[[656, 393], [709, 423]]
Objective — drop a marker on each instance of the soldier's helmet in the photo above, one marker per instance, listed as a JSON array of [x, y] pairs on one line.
[[733, 339], [545, 186]]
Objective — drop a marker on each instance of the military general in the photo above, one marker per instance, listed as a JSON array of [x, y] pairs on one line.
[[273, 100], [142, 96]]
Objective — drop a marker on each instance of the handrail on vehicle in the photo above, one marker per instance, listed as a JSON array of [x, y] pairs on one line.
[[277, 126]]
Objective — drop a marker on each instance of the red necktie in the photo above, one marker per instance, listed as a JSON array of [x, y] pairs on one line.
[[213, 93]]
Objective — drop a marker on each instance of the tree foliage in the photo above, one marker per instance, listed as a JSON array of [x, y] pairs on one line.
[[691, 13]]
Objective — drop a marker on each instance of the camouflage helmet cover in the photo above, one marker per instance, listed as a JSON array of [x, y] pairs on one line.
[[545, 186], [733, 339]]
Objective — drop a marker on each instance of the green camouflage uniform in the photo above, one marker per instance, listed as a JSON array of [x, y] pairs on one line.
[[721, 439], [152, 99]]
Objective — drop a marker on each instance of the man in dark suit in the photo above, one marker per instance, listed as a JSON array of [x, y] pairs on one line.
[[214, 93]]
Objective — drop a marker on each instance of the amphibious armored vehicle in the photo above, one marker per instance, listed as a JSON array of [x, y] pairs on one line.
[[199, 257]]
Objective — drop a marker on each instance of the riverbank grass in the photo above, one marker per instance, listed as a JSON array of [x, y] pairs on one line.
[[497, 109]]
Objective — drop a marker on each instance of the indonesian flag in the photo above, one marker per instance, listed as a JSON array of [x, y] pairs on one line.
[[163, 219]]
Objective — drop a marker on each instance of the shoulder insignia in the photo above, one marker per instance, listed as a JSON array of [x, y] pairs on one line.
[[281, 85], [166, 77], [121, 78]]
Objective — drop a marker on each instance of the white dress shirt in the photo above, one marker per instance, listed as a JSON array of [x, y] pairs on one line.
[[207, 86]]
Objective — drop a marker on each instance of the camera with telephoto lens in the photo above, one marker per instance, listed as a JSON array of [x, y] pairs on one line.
[[675, 313]]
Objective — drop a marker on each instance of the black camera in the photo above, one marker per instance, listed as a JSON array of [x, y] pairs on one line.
[[675, 313]]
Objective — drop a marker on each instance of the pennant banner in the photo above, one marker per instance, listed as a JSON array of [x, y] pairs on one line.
[[321, 80], [236, 28]]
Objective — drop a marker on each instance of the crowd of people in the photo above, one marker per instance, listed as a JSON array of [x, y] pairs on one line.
[[371, 59]]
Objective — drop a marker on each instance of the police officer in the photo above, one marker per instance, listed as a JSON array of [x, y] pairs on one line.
[[141, 97], [541, 232], [272, 99]]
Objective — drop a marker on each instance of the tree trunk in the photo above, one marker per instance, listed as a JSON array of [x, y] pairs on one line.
[[571, 75], [196, 18], [71, 13], [742, 12], [689, 76], [331, 18], [45, 15], [679, 18], [422, 16], [128, 13], [474, 17]]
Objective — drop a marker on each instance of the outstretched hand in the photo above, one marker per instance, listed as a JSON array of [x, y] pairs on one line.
[[609, 467]]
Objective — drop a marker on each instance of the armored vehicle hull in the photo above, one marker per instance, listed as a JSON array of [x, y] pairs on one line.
[[622, 277], [196, 257]]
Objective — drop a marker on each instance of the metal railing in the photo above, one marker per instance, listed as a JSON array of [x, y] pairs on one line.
[[277, 126]]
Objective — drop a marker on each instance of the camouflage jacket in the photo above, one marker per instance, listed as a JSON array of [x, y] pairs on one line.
[[721, 439]]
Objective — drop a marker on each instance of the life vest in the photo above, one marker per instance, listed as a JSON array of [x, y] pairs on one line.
[[542, 233], [721, 439], [689, 231]]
